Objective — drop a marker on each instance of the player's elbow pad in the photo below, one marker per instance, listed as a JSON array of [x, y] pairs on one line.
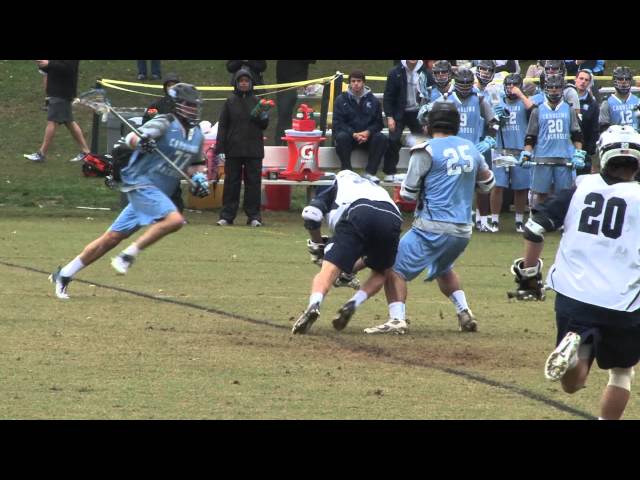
[[131, 140], [533, 231], [312, 217], [485, 186], [408, 193]]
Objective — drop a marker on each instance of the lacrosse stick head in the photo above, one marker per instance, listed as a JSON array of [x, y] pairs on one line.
[[95, 99], [505, 161]]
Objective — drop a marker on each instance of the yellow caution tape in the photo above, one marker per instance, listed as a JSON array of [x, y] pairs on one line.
[[111, 83]]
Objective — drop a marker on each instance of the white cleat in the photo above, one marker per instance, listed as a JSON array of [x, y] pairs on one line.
[[393, 325], [563, 358], [61, 283], [121, 263]]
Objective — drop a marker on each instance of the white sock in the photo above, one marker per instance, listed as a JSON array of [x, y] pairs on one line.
[[73, 267], [397, 310], [315, 298], [484, 220], [477, 215], [360, 297], [132, 250], [520, 217], [495, 218], [459, 300]]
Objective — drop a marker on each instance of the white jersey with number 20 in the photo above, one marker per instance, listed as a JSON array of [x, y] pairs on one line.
[[598, 260]]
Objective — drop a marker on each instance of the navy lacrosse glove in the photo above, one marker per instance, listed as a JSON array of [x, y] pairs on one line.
[[529, 281], [499, 111], [147, 144], [317, 249], [201, 188]]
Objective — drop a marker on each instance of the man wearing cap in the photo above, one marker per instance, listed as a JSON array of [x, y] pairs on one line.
[[357, 123]]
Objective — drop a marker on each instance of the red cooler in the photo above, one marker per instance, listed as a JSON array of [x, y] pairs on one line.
[[276, 197]]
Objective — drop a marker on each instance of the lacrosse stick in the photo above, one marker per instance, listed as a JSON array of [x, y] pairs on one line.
[[561, 164], [96, 99], [505, 161]]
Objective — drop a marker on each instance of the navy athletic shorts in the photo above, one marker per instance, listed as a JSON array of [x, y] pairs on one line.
[[615, 335], [369, 229]]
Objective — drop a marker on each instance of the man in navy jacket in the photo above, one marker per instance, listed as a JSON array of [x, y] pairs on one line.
[[357, 123], [401, 104]]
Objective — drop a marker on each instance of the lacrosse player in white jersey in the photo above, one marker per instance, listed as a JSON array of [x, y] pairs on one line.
[[366, 225], [596, 273]]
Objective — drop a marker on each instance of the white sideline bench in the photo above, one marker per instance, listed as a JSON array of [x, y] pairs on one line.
[[278, 157]]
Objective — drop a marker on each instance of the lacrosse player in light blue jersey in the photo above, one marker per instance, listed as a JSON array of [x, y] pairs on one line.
[[514, 110], [476, 118], [443, 174], [621, 108], [554, 138], [149, 180]]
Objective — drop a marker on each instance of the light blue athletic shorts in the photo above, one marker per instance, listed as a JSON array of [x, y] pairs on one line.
[[146, 206], [544, 177], [434, 252]]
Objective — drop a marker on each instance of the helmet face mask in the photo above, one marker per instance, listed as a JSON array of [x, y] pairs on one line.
[[512, 80], [622, 79], [619, 142], [553, 88], [187, 103], [485, 71], [442, 72], [552, 67], [464, 82]]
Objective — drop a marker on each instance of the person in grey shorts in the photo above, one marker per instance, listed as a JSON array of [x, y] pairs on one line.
[[62, 81]]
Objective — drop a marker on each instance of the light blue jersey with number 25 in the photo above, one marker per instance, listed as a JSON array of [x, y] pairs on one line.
[[450, 183]]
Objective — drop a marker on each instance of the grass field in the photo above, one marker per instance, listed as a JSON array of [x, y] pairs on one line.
[[200, 327]]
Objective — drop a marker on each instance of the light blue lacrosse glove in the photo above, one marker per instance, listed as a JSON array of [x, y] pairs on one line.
[[578, 159], [486, 144], [201, 188], [525, 159]]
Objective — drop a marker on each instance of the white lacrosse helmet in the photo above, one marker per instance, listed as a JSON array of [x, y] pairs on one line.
[[619, 141]]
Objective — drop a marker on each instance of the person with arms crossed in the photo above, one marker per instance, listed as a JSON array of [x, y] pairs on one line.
[[357, 123], [148, 180], [443, 174], [595, 273], [590, 112]]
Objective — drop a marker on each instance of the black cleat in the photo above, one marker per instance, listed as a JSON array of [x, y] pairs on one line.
[[344, 315], [310, 315]]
